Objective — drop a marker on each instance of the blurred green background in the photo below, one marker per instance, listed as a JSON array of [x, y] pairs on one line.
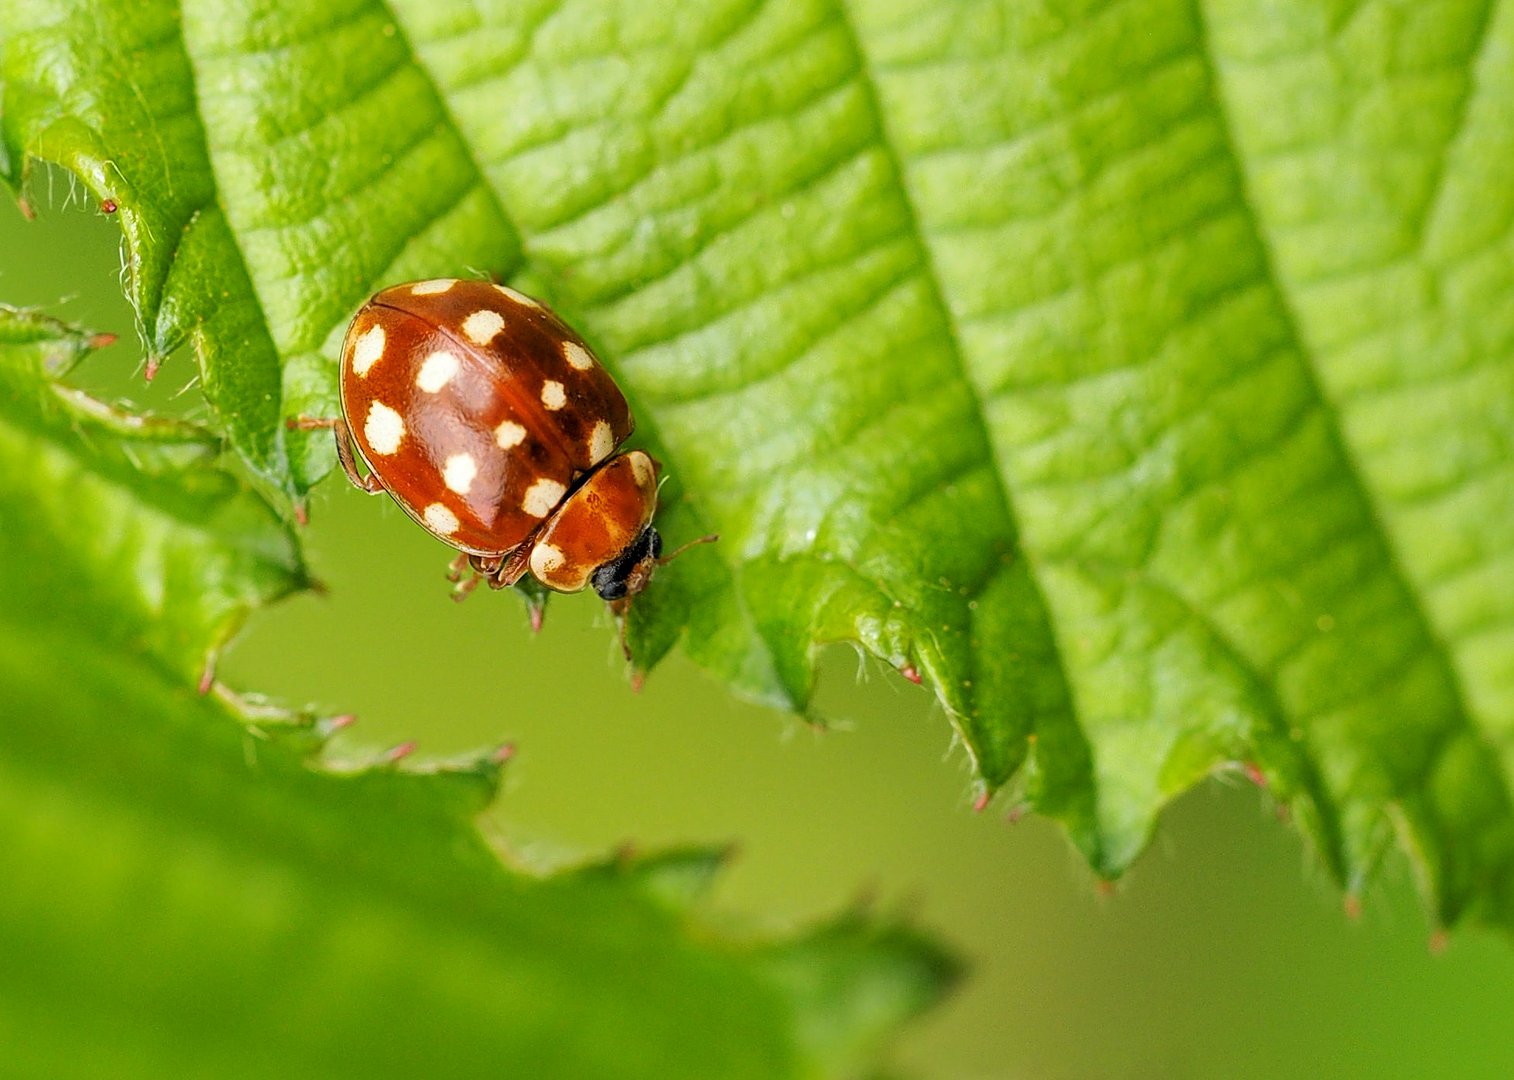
[[1225, 953]]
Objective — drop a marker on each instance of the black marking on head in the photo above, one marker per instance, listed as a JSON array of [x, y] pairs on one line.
[[611, 580]]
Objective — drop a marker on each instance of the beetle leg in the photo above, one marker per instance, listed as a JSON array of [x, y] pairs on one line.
[[455, 570], [462, 589], [514, 563], [513, 566], [344, 452], [479, 569]]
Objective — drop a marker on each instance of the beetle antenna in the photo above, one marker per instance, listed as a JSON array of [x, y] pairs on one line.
[[710, 539]]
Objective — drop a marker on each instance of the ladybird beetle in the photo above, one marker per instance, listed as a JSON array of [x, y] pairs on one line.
[[491, 423]]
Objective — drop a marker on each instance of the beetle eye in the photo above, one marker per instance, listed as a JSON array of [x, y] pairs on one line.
[[607, 584]]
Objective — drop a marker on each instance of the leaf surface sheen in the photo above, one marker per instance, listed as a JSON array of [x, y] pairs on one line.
[[1136, 371]]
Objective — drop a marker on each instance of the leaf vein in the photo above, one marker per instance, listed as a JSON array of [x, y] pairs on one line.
[[1463, 108], [953, 335], [403, 37], [1461, 715], [842, 320]]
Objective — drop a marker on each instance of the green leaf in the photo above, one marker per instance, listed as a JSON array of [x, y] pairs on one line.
[[191, 889], [1139, 374], [122, 530]]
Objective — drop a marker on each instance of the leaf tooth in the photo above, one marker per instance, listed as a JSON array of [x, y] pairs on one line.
[[328, 726], [854, 977], [396, 754], [466, 786], [487, 762], [59, 345], [369, 761], [306, 732], [678, 877], [463, 785], [535, 597]]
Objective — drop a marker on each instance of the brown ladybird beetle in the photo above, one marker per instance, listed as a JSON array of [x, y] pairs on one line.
[[492, 424]]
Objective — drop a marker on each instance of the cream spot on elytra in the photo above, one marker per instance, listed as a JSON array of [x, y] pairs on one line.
[[518, 297], [436, 371], [482, 325], [544, 559], [552, 395], [440, 520], [367, 349], [642, 469], [459, 472], [383, 429], [601, 443], [509, 435], [432, 288], [577, 356], [542, 496]]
